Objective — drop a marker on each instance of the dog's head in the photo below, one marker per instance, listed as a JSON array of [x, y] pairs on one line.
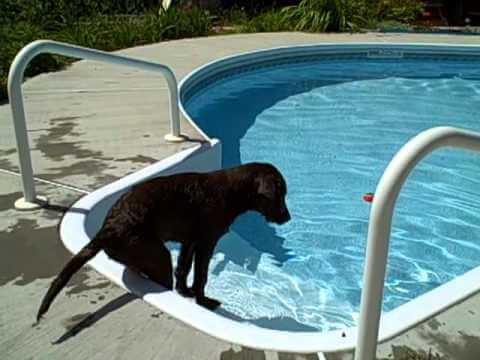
[[270, 191]]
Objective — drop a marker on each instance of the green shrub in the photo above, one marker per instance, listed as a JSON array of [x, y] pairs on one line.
[[232, 17], [404, 11], [14, 36], [180, 23], [341, 15], [113, 32], [103, 32], [317, 15], [3, 88], [58, 12], [369, 13], [117, 32], [116, 24], [270, 21], [255, 7]]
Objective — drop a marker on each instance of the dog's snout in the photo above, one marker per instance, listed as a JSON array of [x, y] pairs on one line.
[[284, 216]]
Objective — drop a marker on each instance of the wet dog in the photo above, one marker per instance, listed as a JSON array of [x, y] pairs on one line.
[[195, 209]]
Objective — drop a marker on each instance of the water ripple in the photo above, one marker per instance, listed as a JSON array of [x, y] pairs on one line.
[[331, 128]]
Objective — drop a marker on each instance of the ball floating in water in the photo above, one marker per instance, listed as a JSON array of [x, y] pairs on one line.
[[368, 197]]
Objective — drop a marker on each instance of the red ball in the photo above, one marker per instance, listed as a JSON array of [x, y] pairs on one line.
[[368, 197]]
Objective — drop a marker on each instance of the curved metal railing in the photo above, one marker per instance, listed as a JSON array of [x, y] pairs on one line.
[[380, 224], [15, 77]]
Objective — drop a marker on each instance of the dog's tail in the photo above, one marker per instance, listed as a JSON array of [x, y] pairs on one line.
[[80, 259]]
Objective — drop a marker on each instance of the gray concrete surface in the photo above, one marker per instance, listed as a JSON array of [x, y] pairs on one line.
[[94, 123], [451, 335]]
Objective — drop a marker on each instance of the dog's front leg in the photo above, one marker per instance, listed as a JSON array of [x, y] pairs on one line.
[[184, 264], [203, 254]]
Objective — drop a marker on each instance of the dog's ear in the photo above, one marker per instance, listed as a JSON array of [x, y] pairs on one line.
[[266, 186]]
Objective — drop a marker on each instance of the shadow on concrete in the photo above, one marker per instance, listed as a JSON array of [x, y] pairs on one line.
[[91, 319], [63, 209], [194, 140], [138, 285]]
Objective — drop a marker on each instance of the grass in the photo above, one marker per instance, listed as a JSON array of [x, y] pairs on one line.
[[111, 25], [12, 39], [270, 21], [105, 32], [326, 15], [117, 32]]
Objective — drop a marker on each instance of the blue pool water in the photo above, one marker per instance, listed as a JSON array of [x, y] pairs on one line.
[[331, 127]]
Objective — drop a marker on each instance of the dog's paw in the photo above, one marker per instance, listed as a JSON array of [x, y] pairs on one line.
[[185, 291], [208, 303]]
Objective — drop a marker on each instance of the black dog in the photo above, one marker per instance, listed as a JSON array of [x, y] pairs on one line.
[[192, 208]]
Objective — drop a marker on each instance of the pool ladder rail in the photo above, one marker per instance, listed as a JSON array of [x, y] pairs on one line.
[[379, 226], [30, 200]]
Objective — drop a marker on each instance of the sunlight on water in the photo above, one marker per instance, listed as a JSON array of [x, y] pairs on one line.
[[331, 128]]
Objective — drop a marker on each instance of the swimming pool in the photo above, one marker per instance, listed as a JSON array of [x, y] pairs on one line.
[[297, 287], [331, 126]]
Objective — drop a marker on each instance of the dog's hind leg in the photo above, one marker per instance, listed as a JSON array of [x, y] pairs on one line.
[[155, 262], [184, 266]]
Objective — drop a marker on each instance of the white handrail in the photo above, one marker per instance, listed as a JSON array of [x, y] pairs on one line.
[[15, 77], [380, 223]]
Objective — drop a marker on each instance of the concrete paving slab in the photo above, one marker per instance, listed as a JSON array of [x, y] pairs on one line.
[[94, 123], [125, 327]]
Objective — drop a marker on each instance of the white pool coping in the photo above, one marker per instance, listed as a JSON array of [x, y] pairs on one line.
[[207, 157]]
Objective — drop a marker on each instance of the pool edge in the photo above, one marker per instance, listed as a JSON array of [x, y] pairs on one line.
[[407, 316], [387, 331]]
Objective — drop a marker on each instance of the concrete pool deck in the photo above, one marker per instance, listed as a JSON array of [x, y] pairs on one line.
[[91, 124]]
